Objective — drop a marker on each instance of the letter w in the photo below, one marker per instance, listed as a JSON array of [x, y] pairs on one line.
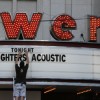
[[29, 28]]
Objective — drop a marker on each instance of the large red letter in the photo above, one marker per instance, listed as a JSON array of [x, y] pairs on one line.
[[61, 26], [94, 25], [21, 21]]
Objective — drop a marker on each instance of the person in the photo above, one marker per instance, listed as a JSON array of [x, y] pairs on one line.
[[20, 79]]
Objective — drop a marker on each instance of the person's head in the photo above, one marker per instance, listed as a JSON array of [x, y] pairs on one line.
[[21, 64]]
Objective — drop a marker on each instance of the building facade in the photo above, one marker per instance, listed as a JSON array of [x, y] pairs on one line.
[[53, 61]]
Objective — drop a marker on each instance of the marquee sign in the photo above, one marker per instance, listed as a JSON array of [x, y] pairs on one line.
[[52, 62], [60, 28]]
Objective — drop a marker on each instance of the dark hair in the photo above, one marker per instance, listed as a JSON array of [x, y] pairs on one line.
[[22, 64]]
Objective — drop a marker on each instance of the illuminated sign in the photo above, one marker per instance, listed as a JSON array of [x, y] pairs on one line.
[[21, 21], [60, 28], [94, 25]]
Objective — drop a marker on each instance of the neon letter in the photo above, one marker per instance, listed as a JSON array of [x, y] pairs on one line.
[[61, 26], [29, 28], [94, 25]]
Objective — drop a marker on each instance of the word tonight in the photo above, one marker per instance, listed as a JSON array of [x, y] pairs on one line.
[[22, 49]]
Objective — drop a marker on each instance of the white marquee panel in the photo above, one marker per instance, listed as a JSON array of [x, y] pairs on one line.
[[80, 63]]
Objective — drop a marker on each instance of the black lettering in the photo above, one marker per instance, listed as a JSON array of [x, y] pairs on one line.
[[43, 57], [33, 57], [22, 49], [12, 49], [56, 55], [52, 57], [32, 49], [7, 57], [15, 49], [2, 57], [15, 57], [39, 57], [11, 57], [47, 57], [63, 58]]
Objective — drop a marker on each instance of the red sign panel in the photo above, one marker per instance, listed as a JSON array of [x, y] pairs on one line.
[[60, 28]]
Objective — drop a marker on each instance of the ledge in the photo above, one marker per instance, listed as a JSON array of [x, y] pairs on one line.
[[52, 43], [52, 80]]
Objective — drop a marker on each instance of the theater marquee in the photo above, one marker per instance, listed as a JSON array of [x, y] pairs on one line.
[[52, 61]]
